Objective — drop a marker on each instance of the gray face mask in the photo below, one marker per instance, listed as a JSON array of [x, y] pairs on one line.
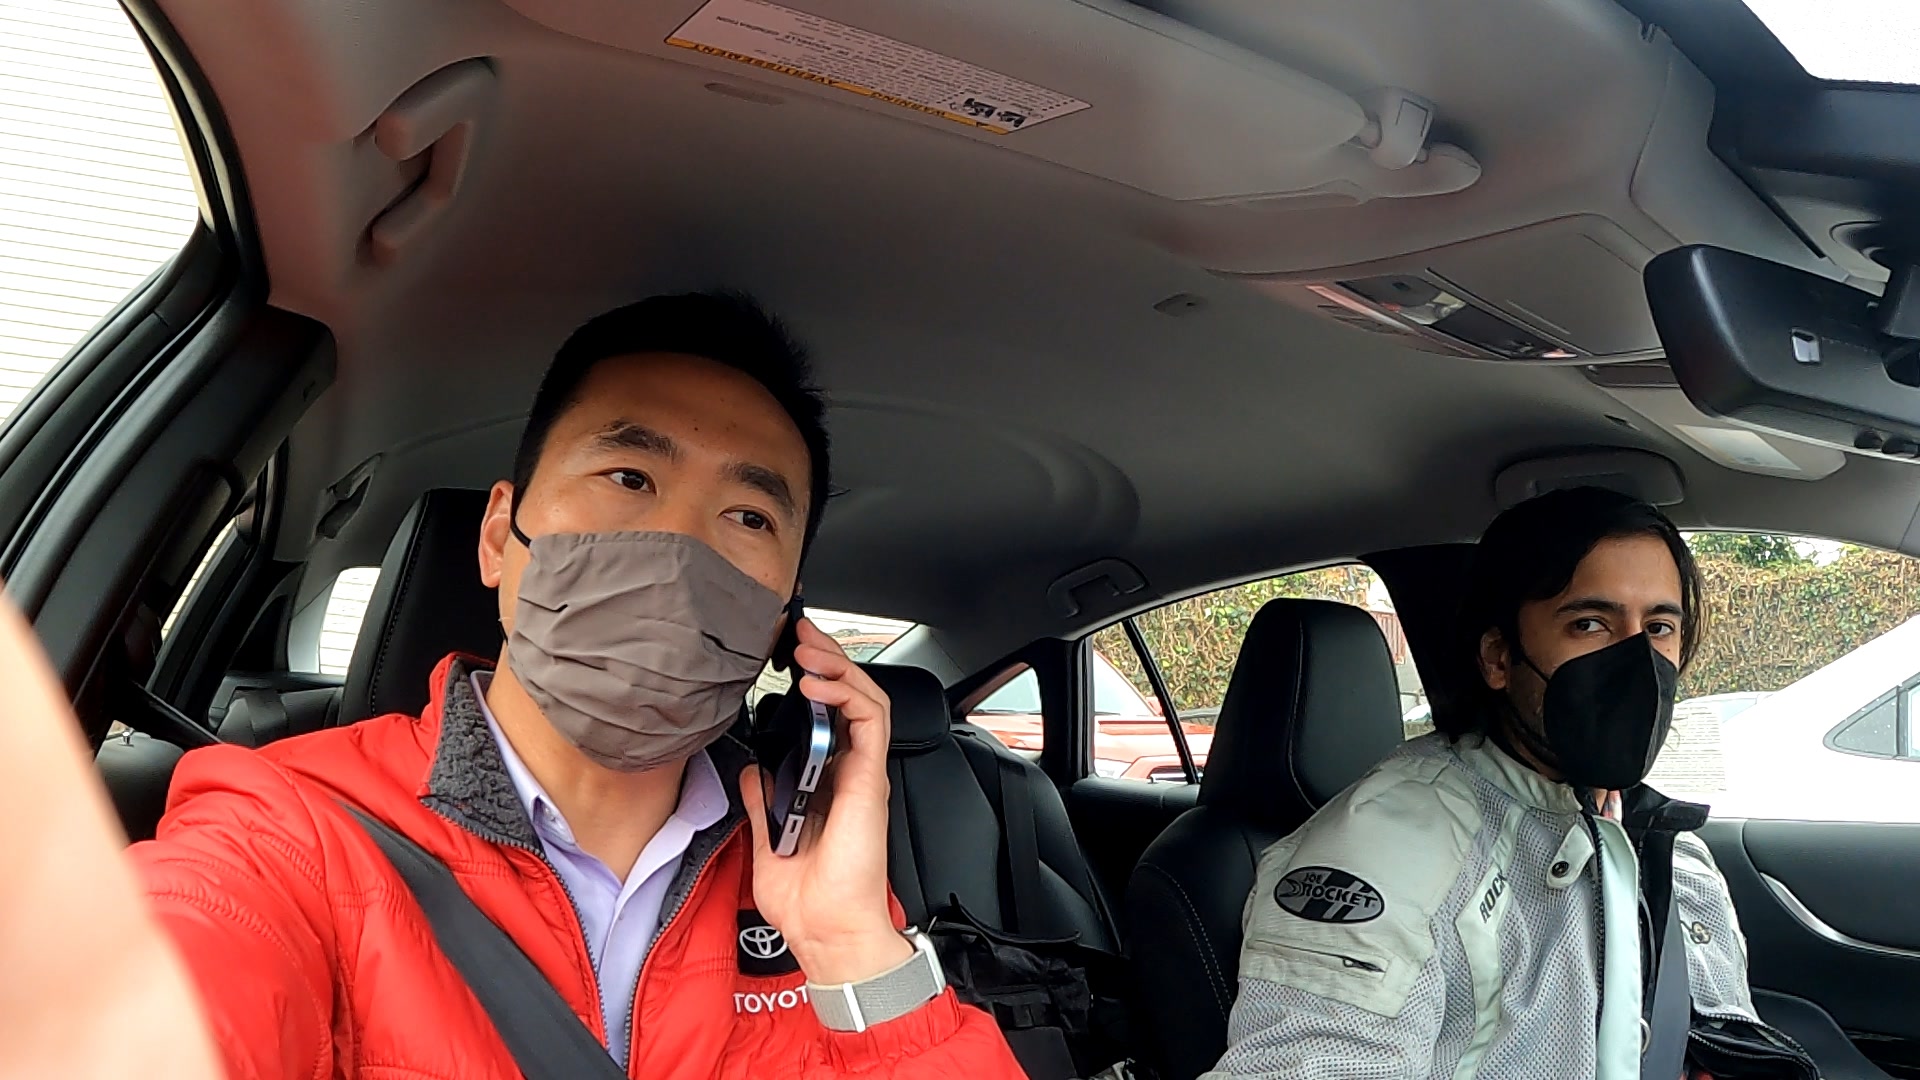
[[638, 646]]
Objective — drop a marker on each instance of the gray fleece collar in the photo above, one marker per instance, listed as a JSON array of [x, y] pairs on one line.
[[469, 786]]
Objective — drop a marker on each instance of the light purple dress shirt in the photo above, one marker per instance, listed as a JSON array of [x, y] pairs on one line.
[[620, 918]]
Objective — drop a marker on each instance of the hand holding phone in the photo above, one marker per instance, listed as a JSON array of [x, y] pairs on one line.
[[793, 752], [830, 898], [792, 747]]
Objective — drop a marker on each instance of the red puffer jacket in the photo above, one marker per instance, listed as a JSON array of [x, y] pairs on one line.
[[315, 961]]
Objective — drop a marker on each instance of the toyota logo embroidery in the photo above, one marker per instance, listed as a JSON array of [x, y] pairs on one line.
[[762, 942], [762, 950]]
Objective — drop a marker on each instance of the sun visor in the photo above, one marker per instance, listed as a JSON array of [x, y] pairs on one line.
[[1652, 391], [1102, 87]]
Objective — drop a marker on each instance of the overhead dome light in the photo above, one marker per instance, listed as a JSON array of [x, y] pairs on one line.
[[1871, 41]]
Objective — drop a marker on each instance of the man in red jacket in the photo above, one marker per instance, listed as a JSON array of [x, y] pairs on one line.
[[583, 789]]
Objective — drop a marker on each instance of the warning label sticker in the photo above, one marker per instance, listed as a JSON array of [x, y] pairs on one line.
[[776, 38]]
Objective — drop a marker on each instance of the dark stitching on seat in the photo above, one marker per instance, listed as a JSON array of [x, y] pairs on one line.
[[1215, 978]]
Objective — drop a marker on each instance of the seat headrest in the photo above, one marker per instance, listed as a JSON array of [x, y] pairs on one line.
[[1313, 704], [920, 715], [429, 602]]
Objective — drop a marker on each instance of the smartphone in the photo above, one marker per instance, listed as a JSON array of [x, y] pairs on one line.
[[792, 748]]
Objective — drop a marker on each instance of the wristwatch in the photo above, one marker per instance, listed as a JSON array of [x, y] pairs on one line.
[[857, 1006]]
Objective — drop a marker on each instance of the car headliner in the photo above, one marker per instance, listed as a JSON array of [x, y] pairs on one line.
[[1008, 403]]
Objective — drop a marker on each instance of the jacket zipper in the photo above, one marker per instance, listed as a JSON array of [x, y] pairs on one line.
[[1599, 923], [1352, 962], [666, 923], [573, 905]]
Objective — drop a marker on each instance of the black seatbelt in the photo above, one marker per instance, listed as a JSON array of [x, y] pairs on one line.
[[1005, 785], [545, 1037], [266, 715], [903, 848], [1023, 845]]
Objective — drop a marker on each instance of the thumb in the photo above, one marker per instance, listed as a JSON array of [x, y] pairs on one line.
[[753, 800]]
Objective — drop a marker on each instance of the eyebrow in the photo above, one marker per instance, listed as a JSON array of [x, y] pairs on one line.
[[1601, 606], [627, 435], [767, 482]]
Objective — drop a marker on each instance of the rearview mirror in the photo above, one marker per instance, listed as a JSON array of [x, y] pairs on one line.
[[1783, 350]]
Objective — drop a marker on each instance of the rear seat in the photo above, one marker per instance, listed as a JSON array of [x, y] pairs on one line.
[[948, 832], [429, 602]]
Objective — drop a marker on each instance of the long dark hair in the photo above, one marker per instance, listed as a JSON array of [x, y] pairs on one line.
[[1530, 553]]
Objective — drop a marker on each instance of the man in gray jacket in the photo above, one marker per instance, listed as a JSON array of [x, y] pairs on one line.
[[1472, 907]]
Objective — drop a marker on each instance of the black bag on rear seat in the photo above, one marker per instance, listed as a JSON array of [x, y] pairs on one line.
[[1057, 1001]]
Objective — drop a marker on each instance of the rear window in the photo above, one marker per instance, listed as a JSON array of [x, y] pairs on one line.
[[1195, 644]]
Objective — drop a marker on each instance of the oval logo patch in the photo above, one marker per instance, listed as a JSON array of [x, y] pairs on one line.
[[1323, 894]]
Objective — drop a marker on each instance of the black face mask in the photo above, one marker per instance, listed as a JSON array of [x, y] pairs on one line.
[[1606, 715]]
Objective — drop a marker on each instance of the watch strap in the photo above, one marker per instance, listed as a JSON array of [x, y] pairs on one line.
[[857, 1006]]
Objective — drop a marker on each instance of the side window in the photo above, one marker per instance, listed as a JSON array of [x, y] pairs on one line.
[[1194, 644], [346, 609], [1874, 730], [1802, 701], [340, 623], [95, 192]]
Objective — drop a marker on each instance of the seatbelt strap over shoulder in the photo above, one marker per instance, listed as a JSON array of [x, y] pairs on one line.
[[1023, 845], [1006, 788], [1671, 1014], [542, 1032]]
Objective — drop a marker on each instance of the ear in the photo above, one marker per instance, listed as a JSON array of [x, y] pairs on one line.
[[496, 532], [1496, 661]]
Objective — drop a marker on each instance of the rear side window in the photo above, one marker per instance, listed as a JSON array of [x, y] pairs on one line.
[[95, 193], [1874, 731], [1194, 644], [1013, 713], [346, 610]]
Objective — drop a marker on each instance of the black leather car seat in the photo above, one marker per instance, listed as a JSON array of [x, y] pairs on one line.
[[1312, 705], [428, 602], [137, 769], [947, 830]]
